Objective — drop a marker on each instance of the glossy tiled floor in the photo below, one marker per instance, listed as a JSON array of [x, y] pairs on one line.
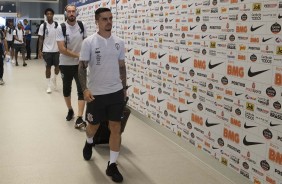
[[39, 147]]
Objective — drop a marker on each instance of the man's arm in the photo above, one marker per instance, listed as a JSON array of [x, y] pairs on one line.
[[82, 73], [122, 71], [40, 46], [82, 76], [65, 51]]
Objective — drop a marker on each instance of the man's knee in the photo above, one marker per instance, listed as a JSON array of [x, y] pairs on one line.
[[115, 127]]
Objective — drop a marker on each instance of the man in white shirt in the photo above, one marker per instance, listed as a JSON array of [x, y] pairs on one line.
[[3, 42], [19, 43], [48, 48], [9, 37], [69, 47], [106, 89]]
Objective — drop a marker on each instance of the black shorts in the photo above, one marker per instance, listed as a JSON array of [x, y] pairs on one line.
[[10, 44], [20, 47], [51, 58], [107, 107]]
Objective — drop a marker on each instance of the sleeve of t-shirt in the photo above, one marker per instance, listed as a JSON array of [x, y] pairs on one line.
[[14, 33], [85, 51], [59, 34], [40, 31], [122, 51]]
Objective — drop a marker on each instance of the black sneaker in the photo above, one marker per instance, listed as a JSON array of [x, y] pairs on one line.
[[112, 171], [70, 115], [79, 123], [87, 151]]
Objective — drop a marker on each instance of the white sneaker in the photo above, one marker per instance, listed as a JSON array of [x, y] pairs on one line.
[[2, 82], [13, 61], [49, 90]]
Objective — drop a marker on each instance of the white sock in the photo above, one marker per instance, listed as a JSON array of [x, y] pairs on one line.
[[113, 156], [48, 82], [89, 140]]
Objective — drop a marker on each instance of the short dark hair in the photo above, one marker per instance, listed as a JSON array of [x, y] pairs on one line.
[[50, 10], [99, 11]]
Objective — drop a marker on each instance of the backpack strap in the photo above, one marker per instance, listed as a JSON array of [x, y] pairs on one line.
[[44, 28], [64, 30], [81, 28]]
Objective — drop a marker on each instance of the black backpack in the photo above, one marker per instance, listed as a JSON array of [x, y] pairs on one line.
[[64, 29], [44, 28]]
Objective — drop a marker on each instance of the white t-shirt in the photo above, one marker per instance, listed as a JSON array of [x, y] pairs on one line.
[[103, 57], [9, 37], [74, 42], [20, 35], [49, 43]]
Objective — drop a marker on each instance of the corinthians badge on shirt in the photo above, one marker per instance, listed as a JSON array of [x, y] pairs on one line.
[[117, 46]]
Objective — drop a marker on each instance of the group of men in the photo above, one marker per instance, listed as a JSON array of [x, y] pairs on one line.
[[97, 65], [14, 39]]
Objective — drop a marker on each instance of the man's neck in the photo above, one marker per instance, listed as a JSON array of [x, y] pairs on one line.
[[50, 21], [105, 34], [71, 23]]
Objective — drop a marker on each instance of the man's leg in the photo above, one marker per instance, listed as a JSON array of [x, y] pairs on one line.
[[48, 75], [67, 77], [81, 103], [1, 67], [115, 140]]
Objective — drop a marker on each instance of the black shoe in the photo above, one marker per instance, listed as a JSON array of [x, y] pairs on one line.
[[79, 123], [112, 171], [35, 58], [24, 64], [17, 64], [70, 115], [87, 151]]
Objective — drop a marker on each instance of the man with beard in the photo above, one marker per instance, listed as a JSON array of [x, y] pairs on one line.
[[106, 89], [48, 48], [69, 39]]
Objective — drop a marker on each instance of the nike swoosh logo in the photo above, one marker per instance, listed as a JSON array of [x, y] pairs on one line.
[[118, 1], [181, 111], [273, 125], [252, 74], [180, 91], [174, 76], [177, 6], [191, 28], [210, 124], [189, 5], [189, 102], [155, 27], [248, 143], [204, 36], [213, 66], [142, 93], [187, 80], [129, 50], [159, 101], [129, 27], [214, 148], [238, 94], [183, 60], [265, 40], [142, 53], [153, 87], [255, 28], [279, 16], [171, 20], [160, 56], [247, 127]]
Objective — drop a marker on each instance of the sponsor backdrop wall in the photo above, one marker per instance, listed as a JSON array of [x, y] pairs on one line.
[[211, 72]]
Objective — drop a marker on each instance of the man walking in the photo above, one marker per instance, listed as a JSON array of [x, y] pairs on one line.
[[19, 43], [106, 89], [27, 30], [48, 48], [9, 37], [2, 55], [69, 39]]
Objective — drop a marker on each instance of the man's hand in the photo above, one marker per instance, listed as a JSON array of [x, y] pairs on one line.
[[40, 55], [88, 96]]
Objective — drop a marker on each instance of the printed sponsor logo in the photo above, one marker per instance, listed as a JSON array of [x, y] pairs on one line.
[[250, 143]]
